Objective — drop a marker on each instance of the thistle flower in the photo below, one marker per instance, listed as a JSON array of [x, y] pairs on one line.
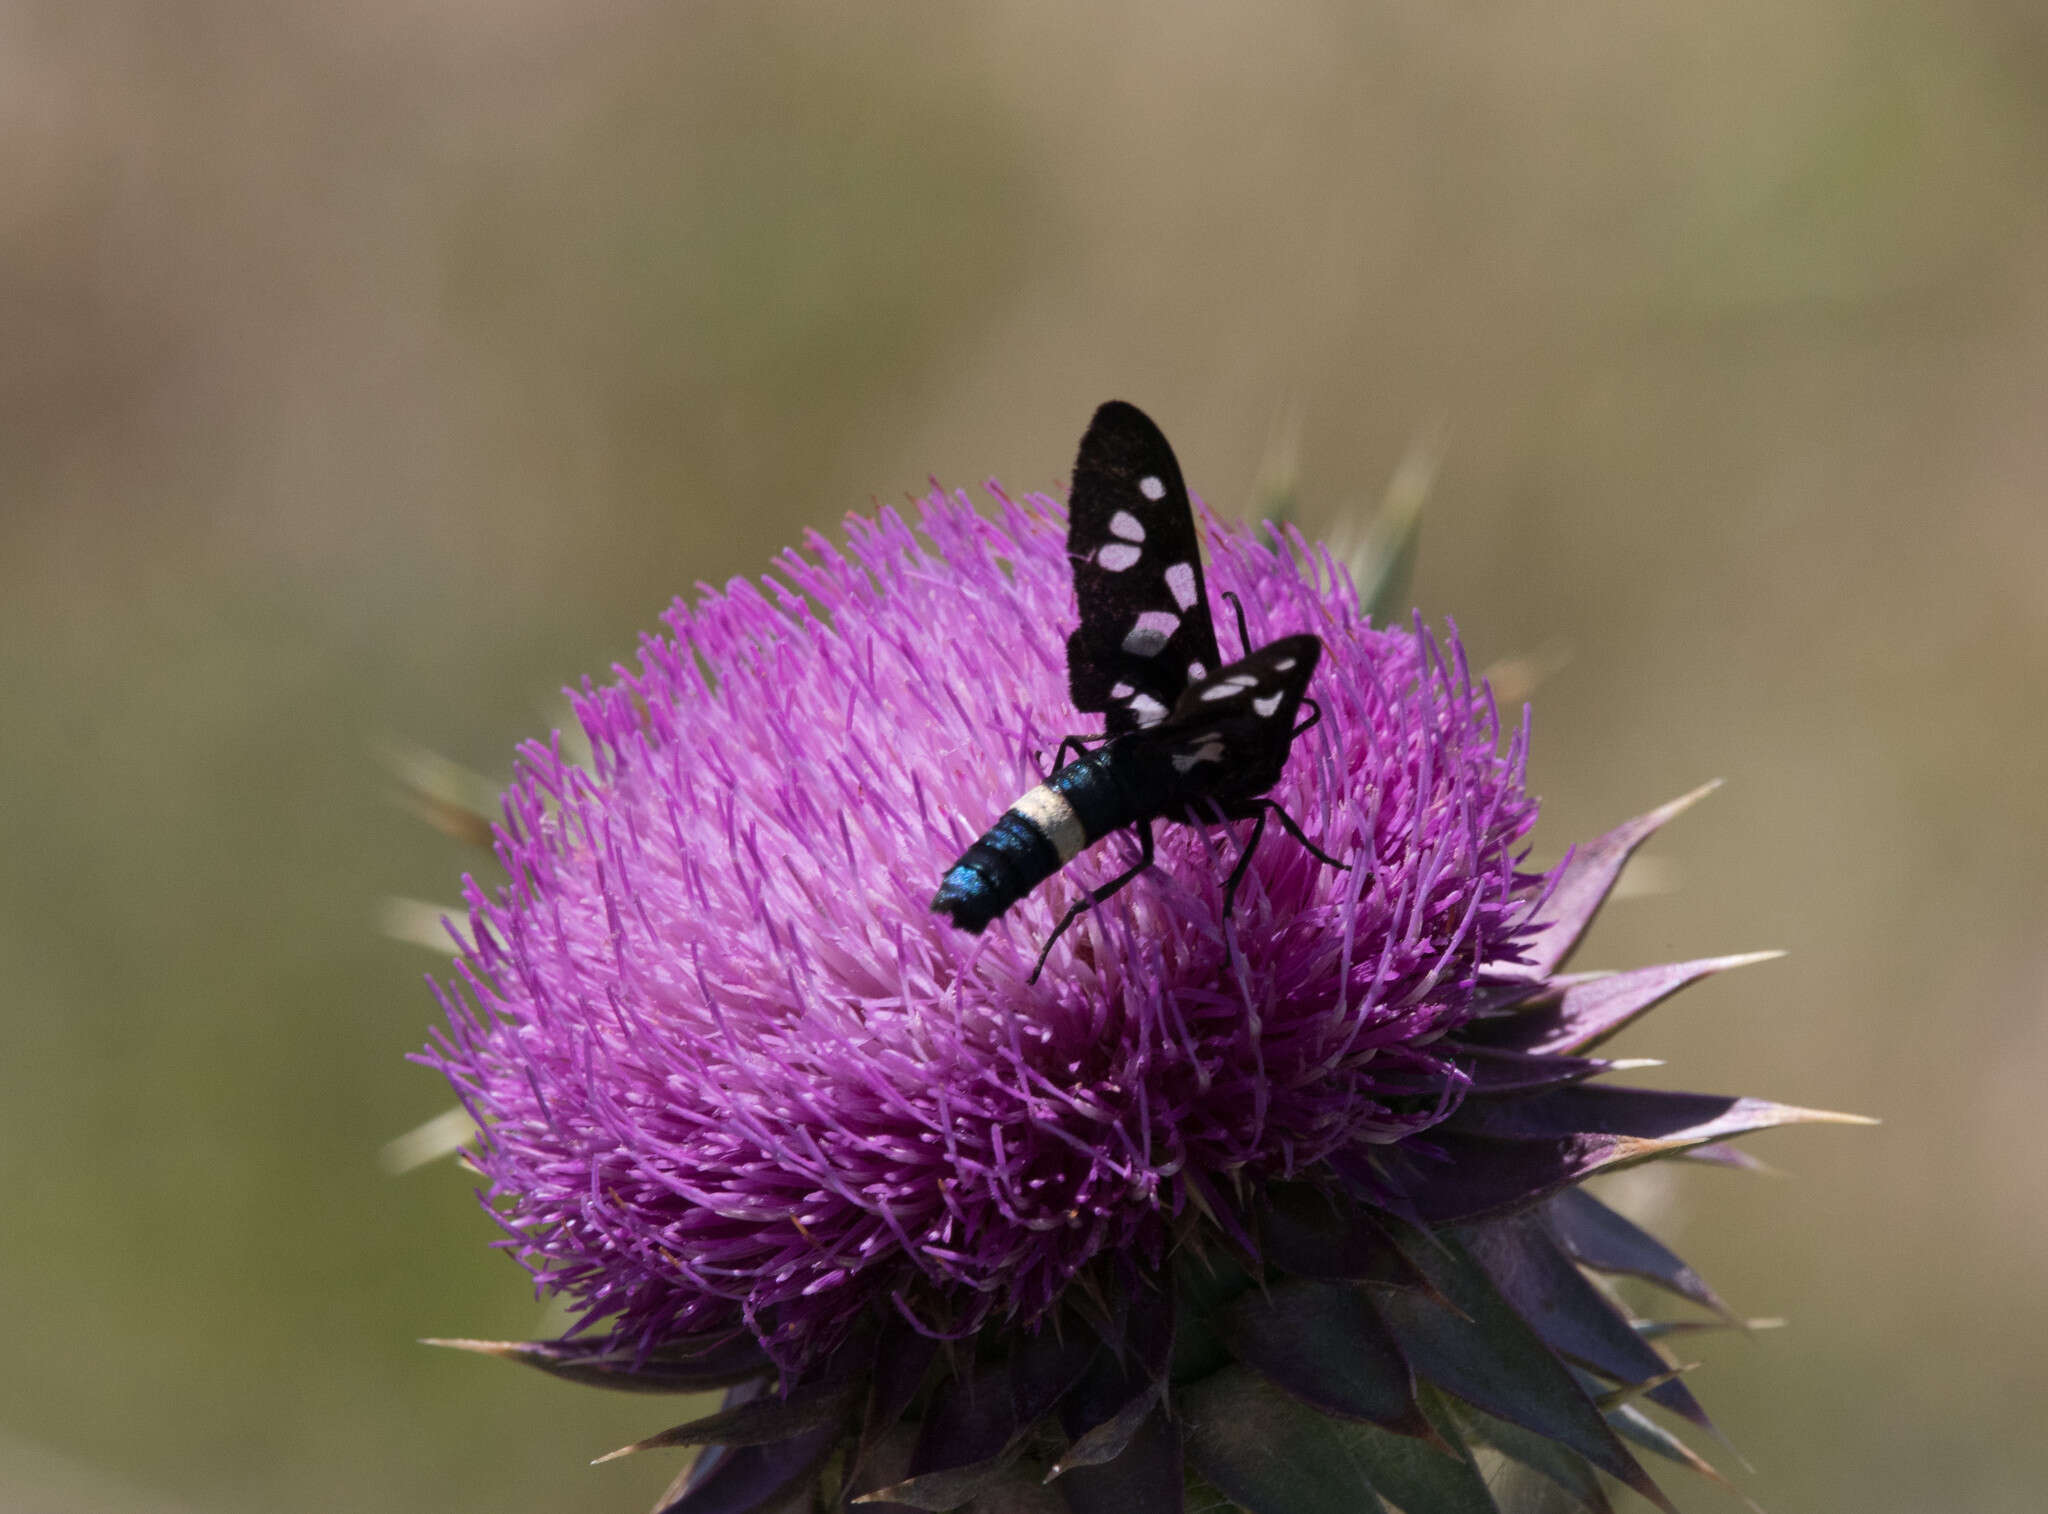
[[1279, 1200]]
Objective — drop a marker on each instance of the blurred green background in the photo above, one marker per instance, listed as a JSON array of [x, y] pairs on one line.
[[368, 372]]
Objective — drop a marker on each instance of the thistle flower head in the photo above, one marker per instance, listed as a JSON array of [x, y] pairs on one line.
[[732, 1069], [1273, 1191]]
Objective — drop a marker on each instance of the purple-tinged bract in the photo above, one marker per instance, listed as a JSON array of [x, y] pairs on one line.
[[730, 1069]]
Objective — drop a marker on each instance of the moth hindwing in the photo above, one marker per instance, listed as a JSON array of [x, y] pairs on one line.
[[1230, 734], [1145, 631]]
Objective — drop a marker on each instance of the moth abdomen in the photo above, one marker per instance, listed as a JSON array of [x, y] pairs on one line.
[[1097, 789], [1013, 858], [1037, 836]]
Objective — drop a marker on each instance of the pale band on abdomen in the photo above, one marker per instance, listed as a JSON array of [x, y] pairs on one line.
[[1055, 820]]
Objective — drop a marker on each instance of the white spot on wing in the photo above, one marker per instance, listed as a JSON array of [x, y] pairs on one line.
[[1121, 691], [1148, 710], [1196, 672], [1284, 665], [1231, 687], [1269, 704], [1208, 751], [1150, 633], [1181, 579], [1151, 487], [1126, 525], [1116, 556]]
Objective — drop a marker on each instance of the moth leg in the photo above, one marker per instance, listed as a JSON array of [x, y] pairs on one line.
[[1244, 640], [1288, 824], [1315, 719], [1244, 860], [1096, 896], [1080, 746]]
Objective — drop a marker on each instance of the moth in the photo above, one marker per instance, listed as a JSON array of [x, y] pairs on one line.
[[1185, 737]]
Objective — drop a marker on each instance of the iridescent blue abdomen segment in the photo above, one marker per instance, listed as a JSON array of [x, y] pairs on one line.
[[998, 870]]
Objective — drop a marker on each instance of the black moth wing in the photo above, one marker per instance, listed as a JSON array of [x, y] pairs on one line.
[[1145, 631], [1229, 735]]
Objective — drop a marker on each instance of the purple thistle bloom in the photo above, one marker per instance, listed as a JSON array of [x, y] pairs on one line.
[[1278, 1188], [730, 1067]]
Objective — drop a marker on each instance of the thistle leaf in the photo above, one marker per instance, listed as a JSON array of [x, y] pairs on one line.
[[1384, 563], [1149, 1326], [1118, 1393], [1721, 1154], [880, 1461], [1310, 1233], [1206, 1278], [1474, 1178], [1589, 1011], [451, 798], [1583, 884], [442, 1136], [1658, 1329], [1598, 1237], [1106, 1440], [903, 1357], [1491, 1357], [1575, 1318], [948, 1488], [1647, 1433], [422, 923], [978, 1420], [1144, 1477], [1496, 1070], [1017, 1491], [1539, 1453], [1436, 1476], [753, 1479], [1198, 1350], [1203, 1282], [1611, 1398], [1646, 1121], [756, 1422], [1324, 1344], [1271, 1455], [675, 1369], [1498, 1155]]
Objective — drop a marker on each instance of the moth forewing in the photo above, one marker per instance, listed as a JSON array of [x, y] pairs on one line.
[[1145, 631]]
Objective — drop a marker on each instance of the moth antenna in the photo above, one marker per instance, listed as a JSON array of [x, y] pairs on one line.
[[1244, 639]]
